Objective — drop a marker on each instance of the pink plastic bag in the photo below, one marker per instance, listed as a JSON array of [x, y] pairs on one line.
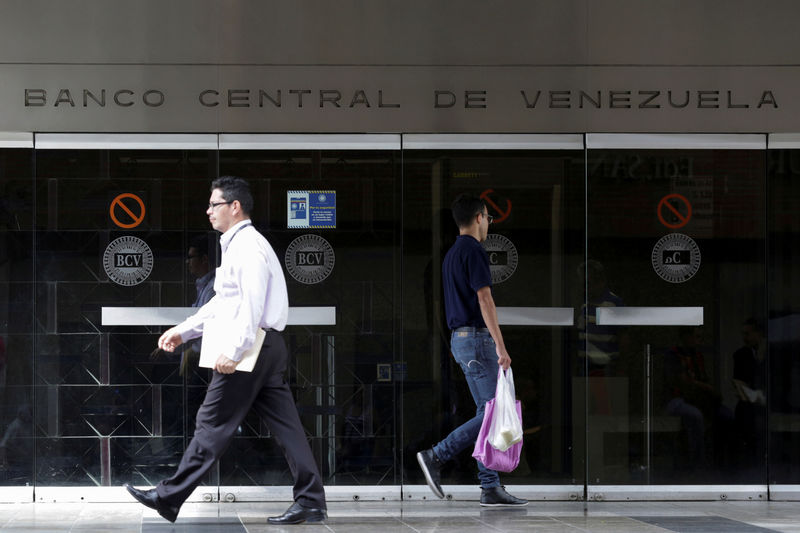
[[484, 452]]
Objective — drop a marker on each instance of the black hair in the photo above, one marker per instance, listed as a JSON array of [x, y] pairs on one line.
[[234, 188], [755, 324], [200, 243], [465, 207]]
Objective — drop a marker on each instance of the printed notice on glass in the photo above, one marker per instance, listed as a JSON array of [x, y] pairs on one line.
[[311, 209]]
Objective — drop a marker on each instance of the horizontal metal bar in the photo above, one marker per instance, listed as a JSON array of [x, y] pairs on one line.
[[677, 141], [21, 494], [126, 141], [599, 493], [89, 494], [230, 141], [259, 493], [16, 139], [650, 316], [492, 142], [784, 493], [169, 316], [536, 316], [783, 141], [473, 493]]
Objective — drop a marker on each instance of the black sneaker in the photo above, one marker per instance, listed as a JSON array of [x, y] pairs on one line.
[[431, 465], [498, 497]]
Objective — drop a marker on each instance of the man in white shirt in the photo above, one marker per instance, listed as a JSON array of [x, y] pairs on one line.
[[250, 294]]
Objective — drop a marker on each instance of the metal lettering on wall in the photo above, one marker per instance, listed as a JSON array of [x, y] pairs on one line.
[[335, 98], [225, 98]]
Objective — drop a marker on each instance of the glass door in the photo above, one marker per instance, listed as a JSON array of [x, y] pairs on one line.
[[114, 221], [674, 335], [783, 400], [533, 186], [16, 317], [329, 206]]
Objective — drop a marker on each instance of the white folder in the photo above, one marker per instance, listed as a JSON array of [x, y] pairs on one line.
[[214, 335]]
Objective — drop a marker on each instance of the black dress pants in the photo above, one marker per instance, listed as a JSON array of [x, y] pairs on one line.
[[228, 399]]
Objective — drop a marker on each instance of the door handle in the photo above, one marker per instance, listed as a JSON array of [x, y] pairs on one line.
[[649, 316], [536, 316]]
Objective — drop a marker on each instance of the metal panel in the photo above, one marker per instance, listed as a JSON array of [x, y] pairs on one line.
[[22, 494], [492, 142], [125, 141], [536, 316], [332, 493], [600, 493], [650, 316], [16, 139], [778, 141], [169, 316], [471, 493], [284, 493], [309, 142], [668, 141], [109, 494], [789, 493]]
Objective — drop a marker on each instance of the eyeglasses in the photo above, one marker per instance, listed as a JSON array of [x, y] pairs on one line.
[[214, 205], [489, 217]]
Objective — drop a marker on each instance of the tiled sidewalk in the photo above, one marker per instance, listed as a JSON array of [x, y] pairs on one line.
[[397, 517]]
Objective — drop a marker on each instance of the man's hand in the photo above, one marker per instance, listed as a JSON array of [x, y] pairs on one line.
[[503, 359], [225, 365], [170, 340]]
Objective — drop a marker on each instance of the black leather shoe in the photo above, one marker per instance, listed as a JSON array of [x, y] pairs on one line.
[[297, 514], [149, 498], [498, 497], [431, 465]]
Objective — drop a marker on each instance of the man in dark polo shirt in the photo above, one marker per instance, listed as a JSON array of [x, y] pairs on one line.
[[476, 343]]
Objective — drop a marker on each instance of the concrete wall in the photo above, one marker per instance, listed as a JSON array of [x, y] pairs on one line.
[[725, 53]]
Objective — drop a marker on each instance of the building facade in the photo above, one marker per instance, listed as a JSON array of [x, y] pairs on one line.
[[639, 161]]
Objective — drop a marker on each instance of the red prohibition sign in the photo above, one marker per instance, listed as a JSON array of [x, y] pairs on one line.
[[665, 206], [117, 202], [501, 214]]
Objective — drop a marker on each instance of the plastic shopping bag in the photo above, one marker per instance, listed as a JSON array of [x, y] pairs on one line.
[[491, 457], [506, 428]]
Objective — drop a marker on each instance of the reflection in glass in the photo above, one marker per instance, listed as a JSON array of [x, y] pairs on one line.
[[668, 410], [536, 199]]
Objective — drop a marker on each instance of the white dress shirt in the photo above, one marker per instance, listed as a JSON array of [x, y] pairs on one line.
[[204, 286], [250, 291]]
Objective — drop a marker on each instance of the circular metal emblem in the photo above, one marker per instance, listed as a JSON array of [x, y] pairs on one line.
[[309, 259], [503, 257], [128, 261], [676, 258]]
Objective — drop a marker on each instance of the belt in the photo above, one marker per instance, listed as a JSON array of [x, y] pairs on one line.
[[467, 330]]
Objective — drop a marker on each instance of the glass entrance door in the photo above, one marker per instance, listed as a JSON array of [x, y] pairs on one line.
[[638, 281], [534, 188], [676, 305]]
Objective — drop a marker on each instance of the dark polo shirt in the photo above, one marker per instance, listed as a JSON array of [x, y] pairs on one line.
[[465, 270]]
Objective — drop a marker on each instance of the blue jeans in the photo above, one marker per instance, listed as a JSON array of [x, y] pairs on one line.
[[475, 353]]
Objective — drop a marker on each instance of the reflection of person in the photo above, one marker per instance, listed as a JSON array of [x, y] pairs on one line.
[[251, 294], [692, 397], [199, 267], [598, 343], [476, 343], [749, 378], [15, 446], [598, 346]]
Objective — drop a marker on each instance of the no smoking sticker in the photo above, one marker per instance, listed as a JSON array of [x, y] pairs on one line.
[[499, 207], [674, 211], [127, 210]]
